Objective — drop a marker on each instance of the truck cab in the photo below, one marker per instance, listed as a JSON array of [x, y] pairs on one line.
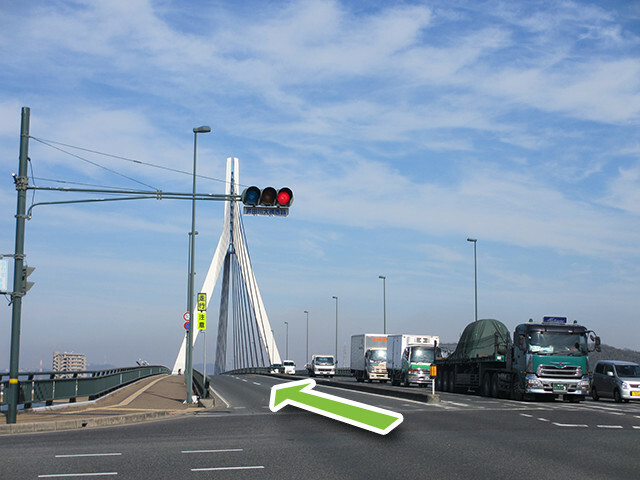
[[552, 358], [375, 360], [416, 361], [322, 365]]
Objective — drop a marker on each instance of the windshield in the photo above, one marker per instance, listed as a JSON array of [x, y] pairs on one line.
[[422, 355], [324, 360], [548, 343], [628, 370], [379, 355], [289, 364]]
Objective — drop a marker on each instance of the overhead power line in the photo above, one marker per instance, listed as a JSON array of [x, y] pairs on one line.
[[52, 143]]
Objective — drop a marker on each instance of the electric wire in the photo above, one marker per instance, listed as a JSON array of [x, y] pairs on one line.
[[51, 144], [95, 164]]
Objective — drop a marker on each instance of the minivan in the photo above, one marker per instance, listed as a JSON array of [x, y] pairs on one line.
[[616, 379]]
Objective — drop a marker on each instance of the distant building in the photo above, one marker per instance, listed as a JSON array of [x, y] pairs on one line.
[[69, 362]]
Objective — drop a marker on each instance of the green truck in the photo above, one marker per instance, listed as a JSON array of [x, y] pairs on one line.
[[546, 359]]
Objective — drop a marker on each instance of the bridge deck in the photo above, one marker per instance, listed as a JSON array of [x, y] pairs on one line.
[[153, 397]]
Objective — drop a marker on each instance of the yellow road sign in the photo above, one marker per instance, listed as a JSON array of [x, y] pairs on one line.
[[202, 302], [202, 320]]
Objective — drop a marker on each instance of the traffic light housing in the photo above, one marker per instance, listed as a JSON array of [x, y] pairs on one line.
[[267, 197], [26, 271]]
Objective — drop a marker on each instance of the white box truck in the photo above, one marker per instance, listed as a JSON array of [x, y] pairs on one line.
[[369, 357], [409, 358]]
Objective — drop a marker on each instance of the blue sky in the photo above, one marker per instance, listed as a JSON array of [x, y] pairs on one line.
[[402, 127]]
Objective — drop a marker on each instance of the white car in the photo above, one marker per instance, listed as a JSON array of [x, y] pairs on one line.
[[289, 367]]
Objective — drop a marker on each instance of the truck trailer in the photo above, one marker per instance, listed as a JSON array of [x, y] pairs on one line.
[[369, 357], [545, 359], [409, 358]]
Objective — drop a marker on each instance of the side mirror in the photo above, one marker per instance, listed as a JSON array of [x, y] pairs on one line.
[[609, 374], [598, 348]]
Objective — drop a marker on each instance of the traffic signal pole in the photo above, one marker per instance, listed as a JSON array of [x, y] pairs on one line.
[[22, 182]]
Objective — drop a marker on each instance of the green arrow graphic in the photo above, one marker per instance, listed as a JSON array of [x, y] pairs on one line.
[[301, 394]]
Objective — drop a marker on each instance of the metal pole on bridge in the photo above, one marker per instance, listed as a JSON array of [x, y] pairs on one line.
[[192, 318], [22, 181]]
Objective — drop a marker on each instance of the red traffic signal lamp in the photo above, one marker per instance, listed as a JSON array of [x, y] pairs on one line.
[[267, 197]]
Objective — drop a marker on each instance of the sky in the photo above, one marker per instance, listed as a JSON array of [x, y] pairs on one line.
[[403, 128]]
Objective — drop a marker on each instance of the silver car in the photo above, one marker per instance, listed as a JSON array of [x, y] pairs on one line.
[[616, 379]]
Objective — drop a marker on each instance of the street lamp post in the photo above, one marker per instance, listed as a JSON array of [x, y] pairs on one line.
[[336, 299], [192, 247], [384, 302], [286, 349], [307, 357], [475, 274], [22, 182]]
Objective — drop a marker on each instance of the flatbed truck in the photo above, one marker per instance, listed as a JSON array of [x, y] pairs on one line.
[[546, 359]]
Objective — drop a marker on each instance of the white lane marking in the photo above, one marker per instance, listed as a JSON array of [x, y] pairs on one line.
[[456, 404], [580, 425], [256, 383], [213, 451], [526, 415], [609, 426], [543, 419], [62, 475], [88, 455], [636, 427], [212, 469]]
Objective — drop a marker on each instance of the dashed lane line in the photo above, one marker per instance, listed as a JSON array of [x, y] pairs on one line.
[[215, 469]]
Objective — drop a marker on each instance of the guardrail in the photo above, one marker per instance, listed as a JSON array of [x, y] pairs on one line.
[[199, 385], [46, 387]]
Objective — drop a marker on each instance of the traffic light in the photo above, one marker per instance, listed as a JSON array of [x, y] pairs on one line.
[[285, 197], [267, 197], [26, 271]]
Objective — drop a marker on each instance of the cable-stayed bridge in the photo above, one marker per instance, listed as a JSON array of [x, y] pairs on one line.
[[253, 342]]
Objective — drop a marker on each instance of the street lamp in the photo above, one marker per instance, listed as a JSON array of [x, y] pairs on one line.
[[287, 342], [307, 357], [475, 273], [336, 299], [192, 247], [384, 302]]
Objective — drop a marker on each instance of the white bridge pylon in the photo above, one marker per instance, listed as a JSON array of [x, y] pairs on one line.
[[248, 276]]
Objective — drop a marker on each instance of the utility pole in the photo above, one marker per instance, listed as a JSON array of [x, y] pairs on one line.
[[21, 181]]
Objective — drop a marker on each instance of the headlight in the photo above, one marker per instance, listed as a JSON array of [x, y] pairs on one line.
[[625, 386], [534, 383], [583, 384]]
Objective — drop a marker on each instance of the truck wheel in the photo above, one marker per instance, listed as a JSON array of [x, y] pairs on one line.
[[450, 381], [516, 391], [494, 386], [594, 394], [485, 389]]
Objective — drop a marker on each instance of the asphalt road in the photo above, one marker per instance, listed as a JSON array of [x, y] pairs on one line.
[[463, 437]]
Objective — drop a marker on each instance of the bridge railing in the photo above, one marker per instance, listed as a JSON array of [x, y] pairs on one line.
[[199, 385], [47, 387]]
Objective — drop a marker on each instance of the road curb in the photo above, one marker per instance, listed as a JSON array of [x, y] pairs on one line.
[[79, 423]]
